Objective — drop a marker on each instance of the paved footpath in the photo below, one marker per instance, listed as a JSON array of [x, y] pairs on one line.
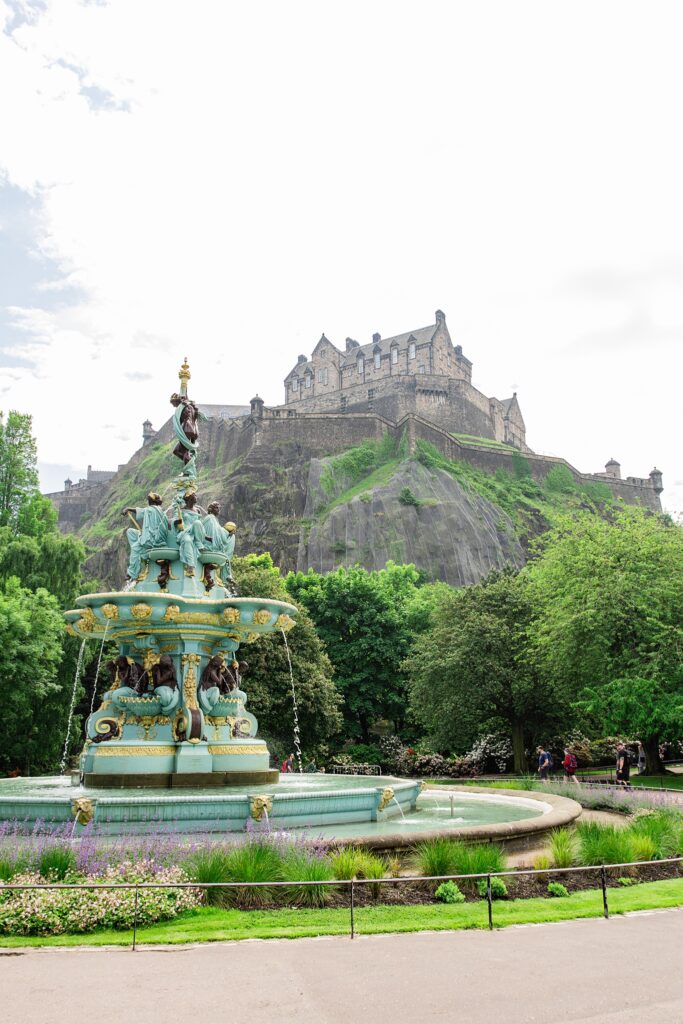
[[628, 970]]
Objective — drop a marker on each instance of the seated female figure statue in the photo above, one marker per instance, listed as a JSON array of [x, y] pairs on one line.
[[153, 533], [191, 539]]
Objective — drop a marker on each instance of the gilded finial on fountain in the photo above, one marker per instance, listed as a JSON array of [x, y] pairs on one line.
[[184, 375]]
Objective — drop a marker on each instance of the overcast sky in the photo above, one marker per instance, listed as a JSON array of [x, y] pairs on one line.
[[228, 180]]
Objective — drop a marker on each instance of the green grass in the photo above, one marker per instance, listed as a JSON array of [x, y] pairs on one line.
[[212, 924], [485, 442]]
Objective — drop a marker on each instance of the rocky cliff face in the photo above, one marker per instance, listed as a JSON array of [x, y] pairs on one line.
[[285, 500], [418, 515]]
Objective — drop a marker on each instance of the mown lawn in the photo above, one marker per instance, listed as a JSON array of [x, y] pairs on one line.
[[212, 924]]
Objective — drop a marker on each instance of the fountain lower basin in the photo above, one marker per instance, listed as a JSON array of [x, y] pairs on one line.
[[378, 811]]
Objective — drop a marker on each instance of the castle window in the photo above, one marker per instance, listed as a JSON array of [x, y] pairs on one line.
[[411, 350], [371, 394], [394, 353], [378, 360], [308, 378], [322, 376], [295, 384], [360, 363], [421, 369]]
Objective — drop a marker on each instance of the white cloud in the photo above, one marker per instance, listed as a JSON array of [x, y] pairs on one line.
[[226, 181]]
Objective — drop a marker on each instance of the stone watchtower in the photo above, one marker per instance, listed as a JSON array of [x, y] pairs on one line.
[[148, 432]]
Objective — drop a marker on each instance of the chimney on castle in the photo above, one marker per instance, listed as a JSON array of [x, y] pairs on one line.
[[613, 469], [148, 432], [350, 343], [440, 316], [656, 478], [376, 338], [301, 359]]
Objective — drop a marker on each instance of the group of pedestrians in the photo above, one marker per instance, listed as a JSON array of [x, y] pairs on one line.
[[570, 764]]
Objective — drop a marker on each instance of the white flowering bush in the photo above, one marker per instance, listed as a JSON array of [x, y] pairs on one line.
[[59, 911]]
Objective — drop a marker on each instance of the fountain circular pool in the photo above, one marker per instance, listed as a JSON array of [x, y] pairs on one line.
[[379, 811]]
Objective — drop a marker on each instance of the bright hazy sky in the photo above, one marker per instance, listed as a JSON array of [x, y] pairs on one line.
[[228, 180]]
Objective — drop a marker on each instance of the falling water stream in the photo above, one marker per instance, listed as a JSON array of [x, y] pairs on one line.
[[395, 801], [77, 676], [97, 670], [297, 743]]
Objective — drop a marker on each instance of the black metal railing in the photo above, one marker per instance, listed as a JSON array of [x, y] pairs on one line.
[[352, 884]]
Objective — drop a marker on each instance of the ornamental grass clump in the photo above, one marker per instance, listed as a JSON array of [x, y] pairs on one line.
[[662, 828], [43, 911], [56, 862], [211, 864], [563, 848], [603, 844], [301, 865], [437, 857], [478, 858], [256, 861], [352, 862]]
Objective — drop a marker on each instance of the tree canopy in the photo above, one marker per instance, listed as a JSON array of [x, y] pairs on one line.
[[607, 620], [471, 672]]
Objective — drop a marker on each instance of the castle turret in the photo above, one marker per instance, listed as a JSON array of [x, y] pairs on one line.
[[148, 432], [613, 469], [68, 484], [257, 404], [656, 478]]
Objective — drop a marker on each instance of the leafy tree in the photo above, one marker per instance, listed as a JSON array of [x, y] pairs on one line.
[[608, 620], [362, 617], [268, 682], [471, 671], [32, 728], [22, 508], [52, 561]]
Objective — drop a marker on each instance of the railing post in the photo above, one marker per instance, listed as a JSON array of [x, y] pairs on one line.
[[135, 917], [353, 902], [489, 898], [603, 877]]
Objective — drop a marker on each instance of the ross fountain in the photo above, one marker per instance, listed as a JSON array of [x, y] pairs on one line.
[[171, 744]]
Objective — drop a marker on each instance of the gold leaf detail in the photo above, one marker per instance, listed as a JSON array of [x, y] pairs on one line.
[[386, 796], [110, 611], [260, 804], [261, 617], [231, 616], [141, 611], [285, 622], [82, 810], [172, 613]]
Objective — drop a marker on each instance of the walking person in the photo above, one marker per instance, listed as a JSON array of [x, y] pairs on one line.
[[570, 764], [623, 767], [642, 761], [545, 763], [287, 765]]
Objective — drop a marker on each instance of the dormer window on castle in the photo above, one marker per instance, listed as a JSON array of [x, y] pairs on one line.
[[360, 363], [295, 383], [394, 354], [378, 359], [411, 350], [308, 377]]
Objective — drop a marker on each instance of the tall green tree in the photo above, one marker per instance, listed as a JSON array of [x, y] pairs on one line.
[[268, 681], [363, 619], [471, 672], [32, 728], [608, 620], [22, 508]]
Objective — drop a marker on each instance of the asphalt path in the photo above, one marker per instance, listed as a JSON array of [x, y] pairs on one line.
[[622, 971]]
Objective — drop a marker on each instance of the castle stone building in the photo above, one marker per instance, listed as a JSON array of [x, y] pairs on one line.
[[420, 372]]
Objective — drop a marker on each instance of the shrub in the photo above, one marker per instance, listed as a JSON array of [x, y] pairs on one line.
[[211, 864], [64, 911], [300, 865], [406, 497], [256, 861], [56, 862], [499, 889], [448, 892], [557, 889], [563, 848], [628, 880]]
